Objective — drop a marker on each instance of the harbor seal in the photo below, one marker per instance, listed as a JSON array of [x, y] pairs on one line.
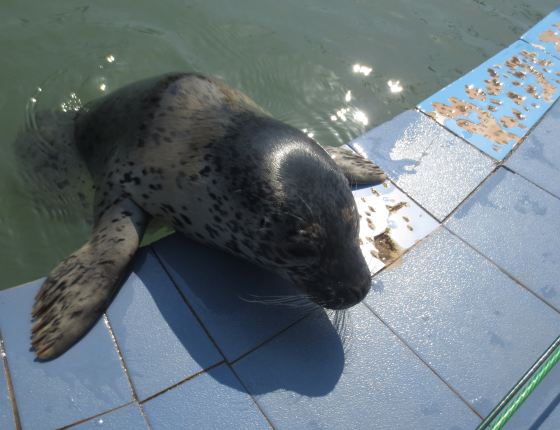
[[204, 158]]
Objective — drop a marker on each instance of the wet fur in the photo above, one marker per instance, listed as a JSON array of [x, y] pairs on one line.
[[204, 158]]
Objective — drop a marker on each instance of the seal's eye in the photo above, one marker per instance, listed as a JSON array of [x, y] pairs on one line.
[[302, 244]]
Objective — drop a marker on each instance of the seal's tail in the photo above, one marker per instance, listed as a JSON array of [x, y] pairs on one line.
[[80, 288]]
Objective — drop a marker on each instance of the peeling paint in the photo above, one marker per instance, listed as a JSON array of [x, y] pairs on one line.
[[548, 88], [387, 248], [518, 114], [389, 224], [487, 125], [532, 91], [475, 93], [492, 106], [508, 121], [551, 36], [517, 99], [493, 86]]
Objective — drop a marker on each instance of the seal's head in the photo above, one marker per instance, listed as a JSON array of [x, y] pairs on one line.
[[309, 229], [321, 233]]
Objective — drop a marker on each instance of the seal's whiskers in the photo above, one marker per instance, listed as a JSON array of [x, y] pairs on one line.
[[301, 301], [342, 323]]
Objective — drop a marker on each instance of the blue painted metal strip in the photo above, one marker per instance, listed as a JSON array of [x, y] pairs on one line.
[[495, 105]]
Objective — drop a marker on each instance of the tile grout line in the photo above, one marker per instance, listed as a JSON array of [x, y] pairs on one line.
[[531, 130], [471, 194], [514, 148], [186, 301], [440, 223], [494, 168], [182, 381], [455, 134], [447, 218], [413, 200], [509, 169], [403, 341], [206, 331], [268, 339], [10, 385], [101, 414], [554, 53], [501, 269], [405, 252], [125, 369], [255, 401], [496, 164]]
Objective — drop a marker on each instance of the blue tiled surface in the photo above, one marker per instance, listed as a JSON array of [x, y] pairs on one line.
[[546, 34], [307, 378], [464, 317], [215, 400], [430, 164], [479, 120], [538, 157], [222, 297], [444, 333], [85, 381], [128, 417], [516, 225], [6, 416], [541, 410], [148, 316]]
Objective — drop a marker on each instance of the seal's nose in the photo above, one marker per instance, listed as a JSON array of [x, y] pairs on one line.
[[348, 297]]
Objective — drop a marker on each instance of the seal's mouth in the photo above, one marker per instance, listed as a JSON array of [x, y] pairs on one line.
[[339, 296]]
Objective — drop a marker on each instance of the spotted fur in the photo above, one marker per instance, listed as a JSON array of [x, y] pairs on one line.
[[207, 160]]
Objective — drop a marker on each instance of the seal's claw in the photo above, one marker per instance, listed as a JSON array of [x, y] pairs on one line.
[[358, 170]]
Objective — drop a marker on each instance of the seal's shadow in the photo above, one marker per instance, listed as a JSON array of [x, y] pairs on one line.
[[307, 359]]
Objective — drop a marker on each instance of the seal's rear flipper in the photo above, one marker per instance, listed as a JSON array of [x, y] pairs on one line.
[[358, 170], [80, 288]]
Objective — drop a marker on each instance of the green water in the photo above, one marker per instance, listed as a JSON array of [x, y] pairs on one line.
[[295, 57]]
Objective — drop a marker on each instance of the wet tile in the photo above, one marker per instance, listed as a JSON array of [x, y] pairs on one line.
[[161, 341], [542, 409], [214, 400], [476, 327], [225, 292], [128, 417], [516, 225], [85, 381], [6, 415], [538, 157], [390, 223], [429, 163], [546, 34], [313, 377], [496, 104]]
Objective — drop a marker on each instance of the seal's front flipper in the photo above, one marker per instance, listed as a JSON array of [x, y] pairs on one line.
[[358, 170], [80, 288]]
